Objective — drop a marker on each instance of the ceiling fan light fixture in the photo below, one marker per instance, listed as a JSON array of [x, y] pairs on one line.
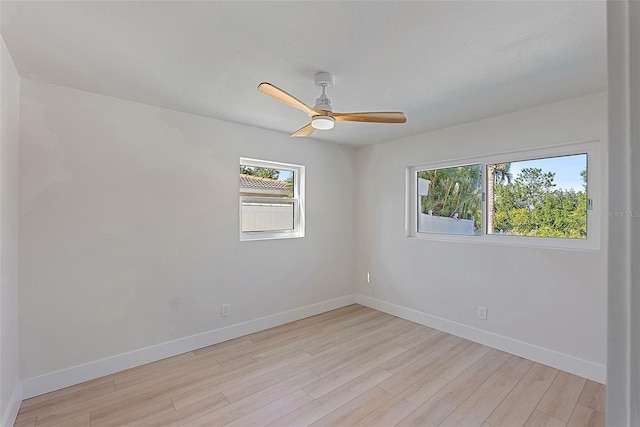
[[322, 122]]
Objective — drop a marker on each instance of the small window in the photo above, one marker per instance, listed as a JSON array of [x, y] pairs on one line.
[[271, 200], [544, 197], [450, 200]]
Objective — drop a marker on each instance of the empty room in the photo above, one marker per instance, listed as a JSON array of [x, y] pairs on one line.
[[319, 213]]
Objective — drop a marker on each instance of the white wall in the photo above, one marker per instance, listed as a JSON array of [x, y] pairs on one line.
[[549, 302], [129, 227], [623, 361], [9, 127]]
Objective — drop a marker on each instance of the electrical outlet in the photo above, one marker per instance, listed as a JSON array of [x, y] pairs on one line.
[[225, 310], [482, 312]]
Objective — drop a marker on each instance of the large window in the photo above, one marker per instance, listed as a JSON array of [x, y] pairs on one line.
[[271, 200], [541, 197]]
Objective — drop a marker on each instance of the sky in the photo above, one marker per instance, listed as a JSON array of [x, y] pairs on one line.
[[566, 168], [284, 174]]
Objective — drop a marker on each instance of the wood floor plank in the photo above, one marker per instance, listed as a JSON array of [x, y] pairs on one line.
[[479, 405], [67, 399], [430, 413], [586, 417], [341, 336], [63, 415], [414, 336], [253, 402], [187, 413], [82, 420], [459, 389], [540, 419], [359, 366], [263, 341], [261, 382], [351, 366], [273, 411], [61, 394], [189, 394], [130, 411], [356, 410], [456, 365], [417, 352], [25, 422], [362, 321], [562, 396], [318, 408], [392, 329], [206, 366], [346, 321], [327, 365], [266, 380], [378, 351], [406, 402], [282, 335], [518, 406], [297, 345], [180, 382], [424, 366], [593, 396]]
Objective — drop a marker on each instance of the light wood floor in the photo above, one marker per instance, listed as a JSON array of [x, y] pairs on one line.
[[352, 366]]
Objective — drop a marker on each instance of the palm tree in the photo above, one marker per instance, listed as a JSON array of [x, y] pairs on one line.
[[497, 173], [503, 173], [451, 190]]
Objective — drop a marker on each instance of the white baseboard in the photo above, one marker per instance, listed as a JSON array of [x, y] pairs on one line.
[[13, 407], [564, 362], [77, 374]]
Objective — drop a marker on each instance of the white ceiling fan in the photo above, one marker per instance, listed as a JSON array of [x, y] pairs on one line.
[[322, 115]]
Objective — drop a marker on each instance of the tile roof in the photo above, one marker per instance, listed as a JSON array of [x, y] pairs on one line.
[[251, 181]]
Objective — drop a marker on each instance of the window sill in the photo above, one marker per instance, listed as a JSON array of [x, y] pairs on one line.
[[521, 241], [262, 235]]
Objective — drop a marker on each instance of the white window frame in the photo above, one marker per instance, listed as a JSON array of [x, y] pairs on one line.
[[595, 177], [297, 200]]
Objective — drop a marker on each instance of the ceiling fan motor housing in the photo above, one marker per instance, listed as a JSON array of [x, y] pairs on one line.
[[323, 103], [323, 80]]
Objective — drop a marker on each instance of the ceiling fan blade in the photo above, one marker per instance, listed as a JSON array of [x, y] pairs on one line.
[[304, 131], [371, 117], [282, 96]]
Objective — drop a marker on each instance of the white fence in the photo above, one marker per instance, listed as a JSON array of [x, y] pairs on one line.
[[267, 216], [445, 225]]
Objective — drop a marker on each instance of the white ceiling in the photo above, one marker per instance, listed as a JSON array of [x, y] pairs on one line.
[[442, 63]]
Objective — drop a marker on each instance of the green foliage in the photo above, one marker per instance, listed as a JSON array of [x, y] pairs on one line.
[[454, 190], [261, 172], [530, 206]]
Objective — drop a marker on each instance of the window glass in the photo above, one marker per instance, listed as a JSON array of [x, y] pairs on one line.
[[267, 182], [450, 200], [544, 197]]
